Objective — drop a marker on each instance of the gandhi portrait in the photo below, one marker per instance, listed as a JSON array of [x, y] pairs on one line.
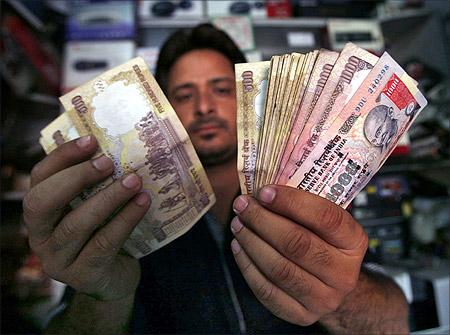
[[380, 126]]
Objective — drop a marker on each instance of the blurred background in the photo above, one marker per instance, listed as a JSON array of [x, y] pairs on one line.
[[49, 47]]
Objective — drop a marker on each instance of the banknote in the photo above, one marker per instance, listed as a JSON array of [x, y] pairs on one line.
[[289, 125], [251, 89], [62, 130], [320, 69], [274, 75], [136, 127], [292, 71], [351, 68], [59, 131], [364, 133], [273, 122]]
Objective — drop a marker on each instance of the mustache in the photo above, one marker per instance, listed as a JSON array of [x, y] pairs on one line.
[[209, 121]]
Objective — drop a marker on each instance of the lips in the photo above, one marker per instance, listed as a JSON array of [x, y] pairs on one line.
[[206, 128]]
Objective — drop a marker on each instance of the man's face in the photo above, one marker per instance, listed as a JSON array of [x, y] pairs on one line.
[[202, 91]]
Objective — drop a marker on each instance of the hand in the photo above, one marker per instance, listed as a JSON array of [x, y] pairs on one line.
[[75, 246], [299, 253]]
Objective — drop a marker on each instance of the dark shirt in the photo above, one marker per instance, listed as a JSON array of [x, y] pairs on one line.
[[193, 285]]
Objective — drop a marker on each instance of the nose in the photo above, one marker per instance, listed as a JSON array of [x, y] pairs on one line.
[[205, 103]]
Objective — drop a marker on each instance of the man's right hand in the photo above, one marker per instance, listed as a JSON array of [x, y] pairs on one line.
[[76, 246]]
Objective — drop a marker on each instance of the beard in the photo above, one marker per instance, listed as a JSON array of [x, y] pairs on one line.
[[216, 154]]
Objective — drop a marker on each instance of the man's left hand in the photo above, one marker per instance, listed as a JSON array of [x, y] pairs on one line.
[[299, 253]]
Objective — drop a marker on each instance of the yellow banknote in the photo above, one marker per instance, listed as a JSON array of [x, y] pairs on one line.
[[59, 131], [136, 127], [251, 89]]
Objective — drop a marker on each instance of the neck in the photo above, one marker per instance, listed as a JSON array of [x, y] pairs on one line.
[[225, 183]]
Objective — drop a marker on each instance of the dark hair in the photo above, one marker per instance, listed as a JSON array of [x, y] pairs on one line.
[[204, 36]]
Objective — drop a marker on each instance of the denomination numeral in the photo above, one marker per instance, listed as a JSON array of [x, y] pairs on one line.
[[344, 179]]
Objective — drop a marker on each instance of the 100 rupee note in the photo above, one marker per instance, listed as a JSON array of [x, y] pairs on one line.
[[137, 128]]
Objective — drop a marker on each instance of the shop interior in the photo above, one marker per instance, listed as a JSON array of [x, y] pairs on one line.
[[405, 208]]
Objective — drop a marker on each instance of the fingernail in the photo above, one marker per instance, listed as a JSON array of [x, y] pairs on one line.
[[84, 141], [142, 199], [235, 246], [236, 225], [267, 194], [240, 204], [131, 181], [102, 163]]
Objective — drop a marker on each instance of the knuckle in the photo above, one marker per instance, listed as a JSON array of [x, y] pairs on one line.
[[292, 204], [31, 206], [331, 217], [254, 212], [103, 243], [321, 257], [265, 292], [96, 261], [364, 241], [331, 303], [107, 196], [61, 236], [288, 275], [283, 271], [37, 173], [297, 244], [246, 268], [124, 219]]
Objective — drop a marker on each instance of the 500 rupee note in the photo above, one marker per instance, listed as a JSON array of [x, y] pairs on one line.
[[59, 131], [136, 127], [251, 89]]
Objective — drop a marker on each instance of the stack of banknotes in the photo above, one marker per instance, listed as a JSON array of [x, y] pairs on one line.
[[324, 122], [138, 129]]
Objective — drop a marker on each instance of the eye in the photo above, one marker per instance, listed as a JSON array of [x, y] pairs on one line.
[[378, 132], [223, 90], [183, 97]]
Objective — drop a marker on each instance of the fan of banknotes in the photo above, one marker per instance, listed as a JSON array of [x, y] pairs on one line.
[[324, 122], [138, 129]]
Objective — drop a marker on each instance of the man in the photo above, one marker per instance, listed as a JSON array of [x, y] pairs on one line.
[[299, 254]]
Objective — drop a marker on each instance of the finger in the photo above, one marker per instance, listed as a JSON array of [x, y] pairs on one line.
[[326, 219], [77, 226], [300, 245], [272, 297], [311, 292], [106, 243], [64, 156], [45, 203]]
